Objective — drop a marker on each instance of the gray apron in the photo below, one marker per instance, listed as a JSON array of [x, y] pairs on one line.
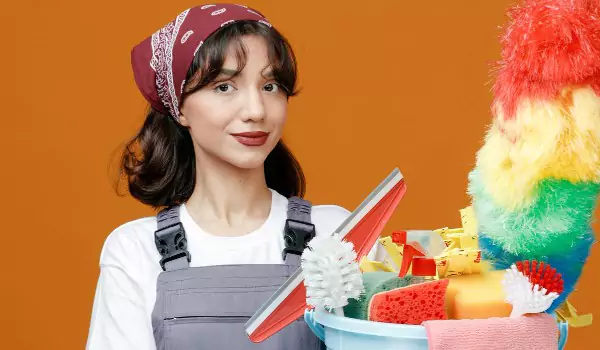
[[202, 308]]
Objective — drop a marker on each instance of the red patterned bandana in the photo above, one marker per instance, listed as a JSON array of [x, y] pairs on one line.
[[161, 62]]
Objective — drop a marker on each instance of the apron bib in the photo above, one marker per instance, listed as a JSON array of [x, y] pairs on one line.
[[202, 308]]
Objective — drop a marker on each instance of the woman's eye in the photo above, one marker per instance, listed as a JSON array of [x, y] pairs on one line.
[[221, 88], [271, 87]]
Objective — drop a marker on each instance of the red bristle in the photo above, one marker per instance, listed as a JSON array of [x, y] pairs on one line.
[[542, 274], [519, 266], [547, 46]]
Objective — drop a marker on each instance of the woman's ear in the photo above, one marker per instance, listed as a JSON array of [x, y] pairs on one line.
[[183, 120]]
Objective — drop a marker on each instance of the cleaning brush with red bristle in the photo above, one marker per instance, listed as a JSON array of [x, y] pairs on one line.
[[542, 274], [531, 287]]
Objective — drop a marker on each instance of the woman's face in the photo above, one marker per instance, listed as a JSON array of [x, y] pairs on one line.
[[238, 119]]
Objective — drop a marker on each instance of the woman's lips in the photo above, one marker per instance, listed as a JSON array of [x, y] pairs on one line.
[[252, 138]]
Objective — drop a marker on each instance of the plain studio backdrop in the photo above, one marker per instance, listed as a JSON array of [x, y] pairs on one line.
[[384, 84]]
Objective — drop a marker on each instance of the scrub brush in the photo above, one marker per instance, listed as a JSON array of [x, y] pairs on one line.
[[331, 274], [531, 287]]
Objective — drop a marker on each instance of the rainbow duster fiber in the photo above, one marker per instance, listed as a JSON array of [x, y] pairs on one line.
[[537, 176]]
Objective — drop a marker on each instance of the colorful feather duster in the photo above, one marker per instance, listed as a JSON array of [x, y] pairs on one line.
[[537, 176]]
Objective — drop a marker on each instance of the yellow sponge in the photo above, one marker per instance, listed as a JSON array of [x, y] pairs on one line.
[[477, 296]]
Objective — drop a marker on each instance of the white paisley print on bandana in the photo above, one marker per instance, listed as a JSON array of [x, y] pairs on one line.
[[186, 36], [227, 22], [163, 41], [198, 48]]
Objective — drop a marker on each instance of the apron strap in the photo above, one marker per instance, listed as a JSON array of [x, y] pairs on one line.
[[298, 230], [170, 240]]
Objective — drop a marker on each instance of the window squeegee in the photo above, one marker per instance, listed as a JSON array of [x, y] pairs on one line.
[[362, 228]]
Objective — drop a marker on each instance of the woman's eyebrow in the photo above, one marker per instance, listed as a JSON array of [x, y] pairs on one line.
[[269, 74], [229, 72]]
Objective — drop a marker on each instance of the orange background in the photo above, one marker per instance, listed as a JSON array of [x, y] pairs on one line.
[[385, 84]]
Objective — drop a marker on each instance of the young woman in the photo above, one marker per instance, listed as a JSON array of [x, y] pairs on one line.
[[218, 79]]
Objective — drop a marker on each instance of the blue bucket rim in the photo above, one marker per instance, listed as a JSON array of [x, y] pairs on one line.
[[346, 324], [382, 329]]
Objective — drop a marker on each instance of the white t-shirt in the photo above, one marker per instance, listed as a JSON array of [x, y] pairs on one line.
[[129, 267]]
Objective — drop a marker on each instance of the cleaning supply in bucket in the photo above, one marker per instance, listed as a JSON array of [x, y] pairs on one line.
[[374, 283], [418, 309], [536, 180], [534, 332], [410, 305], [414, 293], [361, 228], [477, 296], [331, 274], [531, 287]]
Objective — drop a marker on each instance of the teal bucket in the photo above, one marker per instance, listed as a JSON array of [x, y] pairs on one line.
[[344, 333]]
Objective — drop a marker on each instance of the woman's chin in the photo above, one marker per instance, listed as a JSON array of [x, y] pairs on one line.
[[248, 161]]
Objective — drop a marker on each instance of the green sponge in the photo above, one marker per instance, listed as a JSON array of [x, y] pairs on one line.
[[376, 282]]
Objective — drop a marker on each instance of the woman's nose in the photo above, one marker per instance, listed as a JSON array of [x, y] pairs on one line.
[[254, 106]]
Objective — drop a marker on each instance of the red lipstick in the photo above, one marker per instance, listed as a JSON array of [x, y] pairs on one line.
[[253, 138]]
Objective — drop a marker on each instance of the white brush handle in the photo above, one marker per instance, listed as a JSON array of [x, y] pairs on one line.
[[339, 311]]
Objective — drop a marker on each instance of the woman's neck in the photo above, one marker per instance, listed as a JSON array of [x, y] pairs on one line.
[[229, 201]]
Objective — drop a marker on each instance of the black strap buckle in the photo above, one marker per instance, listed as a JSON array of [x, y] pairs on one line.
[[297, 235], [171, 244]]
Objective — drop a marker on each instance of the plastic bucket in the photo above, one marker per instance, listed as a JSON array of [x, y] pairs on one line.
[[344, 333]]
